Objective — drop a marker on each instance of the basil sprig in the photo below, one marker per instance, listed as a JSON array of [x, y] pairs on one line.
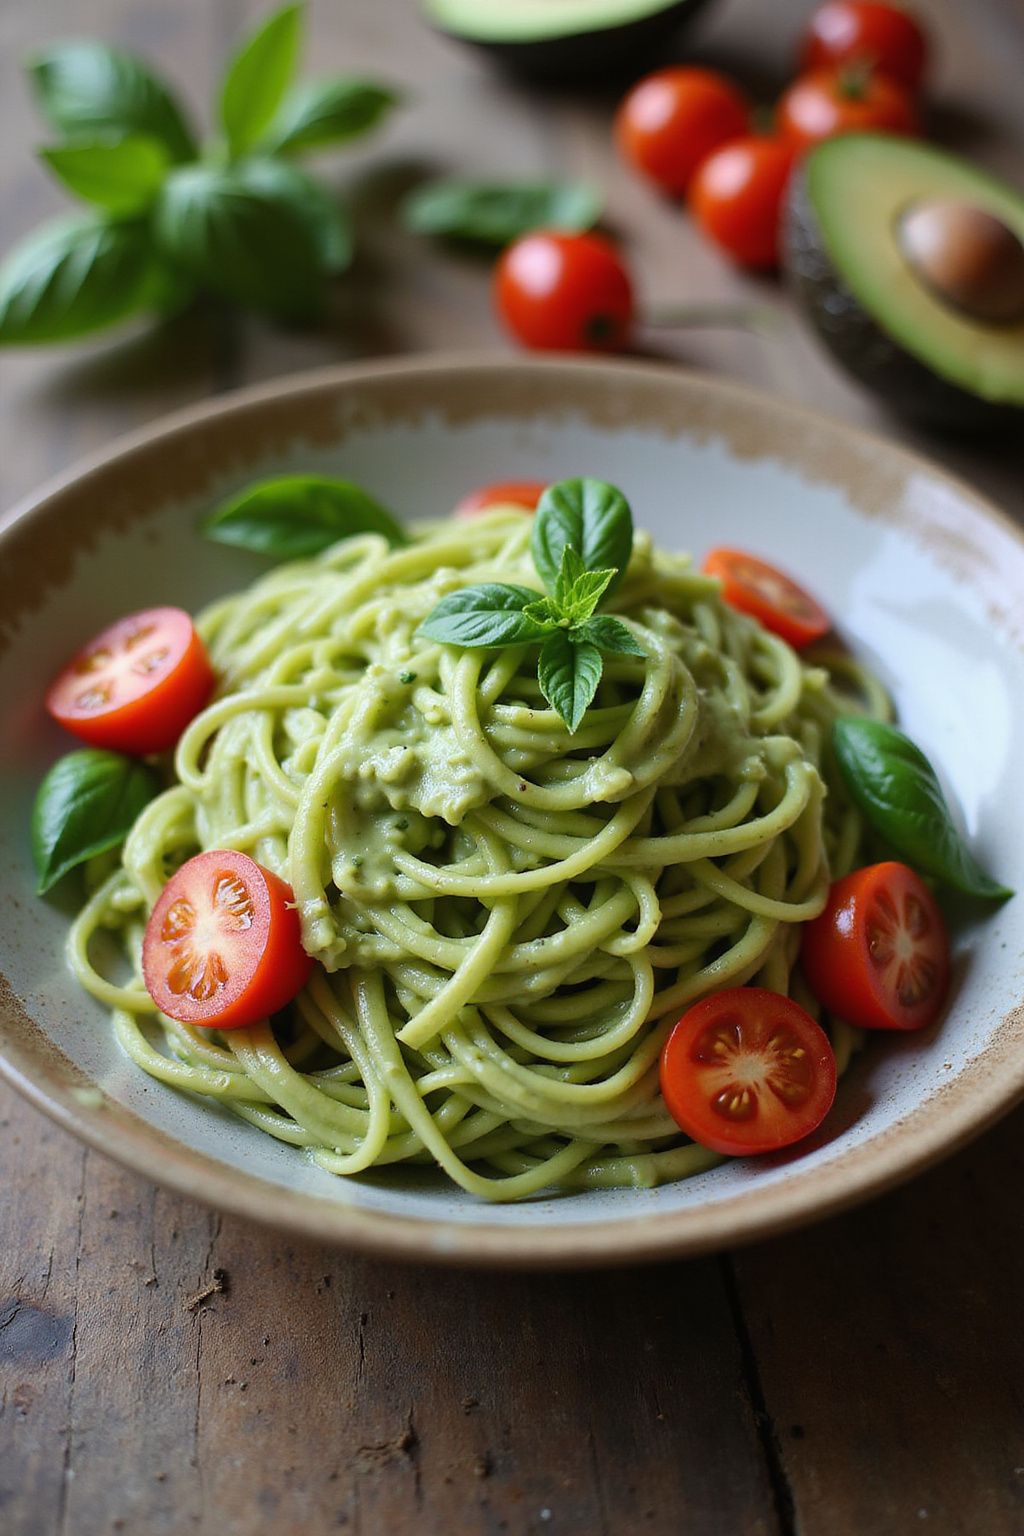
[[581, 543], [295, 516], [495, 213], [86, 804], [168, 218], [896, 788]]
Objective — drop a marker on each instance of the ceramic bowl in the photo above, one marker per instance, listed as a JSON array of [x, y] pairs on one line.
[[926, 581]]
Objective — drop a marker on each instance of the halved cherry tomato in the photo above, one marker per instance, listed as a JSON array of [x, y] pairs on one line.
[[736, 197], [670, 120], [769, 595], [878, 955], [223, 946], [855, 31], [503, 493], [136, 686], [747, 1070], [850, 99], [564, 293]]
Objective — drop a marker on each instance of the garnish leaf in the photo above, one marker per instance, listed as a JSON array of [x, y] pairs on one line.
[[491, 614], [120, 174], [257, 78], [319, 112], [86, 804], [295, 516], [895, 786], [87, 88], [569, 671], [78, 275], [577, 591], [494, 213], [244, 234], [591, 516], [609, 634]]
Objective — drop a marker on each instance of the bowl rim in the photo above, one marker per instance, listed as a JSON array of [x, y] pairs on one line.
[[988, 1087]]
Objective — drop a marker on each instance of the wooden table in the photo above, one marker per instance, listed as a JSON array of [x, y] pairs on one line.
[[864, 1378]]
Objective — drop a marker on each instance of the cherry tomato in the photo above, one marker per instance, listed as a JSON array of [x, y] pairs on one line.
[[747, 1070], [564, 293], [878, 955], [503, 493], [769, 595], [670, 120], [136, 686], [223, 947], [855, 31], [850, 99], [736, 198]]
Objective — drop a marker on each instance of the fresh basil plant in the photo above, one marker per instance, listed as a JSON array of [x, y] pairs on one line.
[[168, 218]]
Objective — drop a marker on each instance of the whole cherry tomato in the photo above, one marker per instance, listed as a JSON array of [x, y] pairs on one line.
[[850, 98], [878, 955], [223, 945], [672, 119], [564, 293], [855, 31], [747, 1070], [136, 685], [736, 198]]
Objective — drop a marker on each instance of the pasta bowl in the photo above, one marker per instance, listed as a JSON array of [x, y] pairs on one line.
[[925, 581]]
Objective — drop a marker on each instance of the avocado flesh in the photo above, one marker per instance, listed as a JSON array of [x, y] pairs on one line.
[[842, 255], [566, 41]]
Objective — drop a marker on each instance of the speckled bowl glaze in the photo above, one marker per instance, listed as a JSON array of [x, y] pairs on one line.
[[926, 581]]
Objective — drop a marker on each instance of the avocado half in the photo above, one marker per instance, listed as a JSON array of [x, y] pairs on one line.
[[843, 256], [565, 42]]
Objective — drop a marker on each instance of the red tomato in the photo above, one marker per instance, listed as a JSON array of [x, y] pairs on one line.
[[747, 1070], [136, 686], [878, 955], [850, 99], [670, 120], [503, 493], [736, 198], [223, 947], [564, 293], [855, 31], [769, 595]]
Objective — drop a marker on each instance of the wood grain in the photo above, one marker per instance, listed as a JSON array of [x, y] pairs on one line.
[[162, 1371]]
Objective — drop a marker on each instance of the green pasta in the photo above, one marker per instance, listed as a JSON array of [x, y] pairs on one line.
[[508, 918]]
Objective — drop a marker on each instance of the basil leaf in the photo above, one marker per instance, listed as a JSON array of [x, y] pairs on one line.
[[579, 599], [487, 615], [569, 671], [545, 612], [88, 88], [570, 569], [609, 634], [895, 786], [123, 175], [296, 516], [75, 276], [591, 516], [86, 804], [326, 222], [319, 112], [494, 213], [244, 235], [257, 77]]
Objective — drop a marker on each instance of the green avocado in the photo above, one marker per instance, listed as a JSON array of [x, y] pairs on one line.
[[874, 248], [565, 41]]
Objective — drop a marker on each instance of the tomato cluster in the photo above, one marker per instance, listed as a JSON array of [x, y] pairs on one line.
[[690, 131]]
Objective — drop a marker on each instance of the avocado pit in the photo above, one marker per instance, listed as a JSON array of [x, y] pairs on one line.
[[966, 257]]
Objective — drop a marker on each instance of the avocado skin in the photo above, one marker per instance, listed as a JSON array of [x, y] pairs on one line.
[[589, 58], [863, 348]]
